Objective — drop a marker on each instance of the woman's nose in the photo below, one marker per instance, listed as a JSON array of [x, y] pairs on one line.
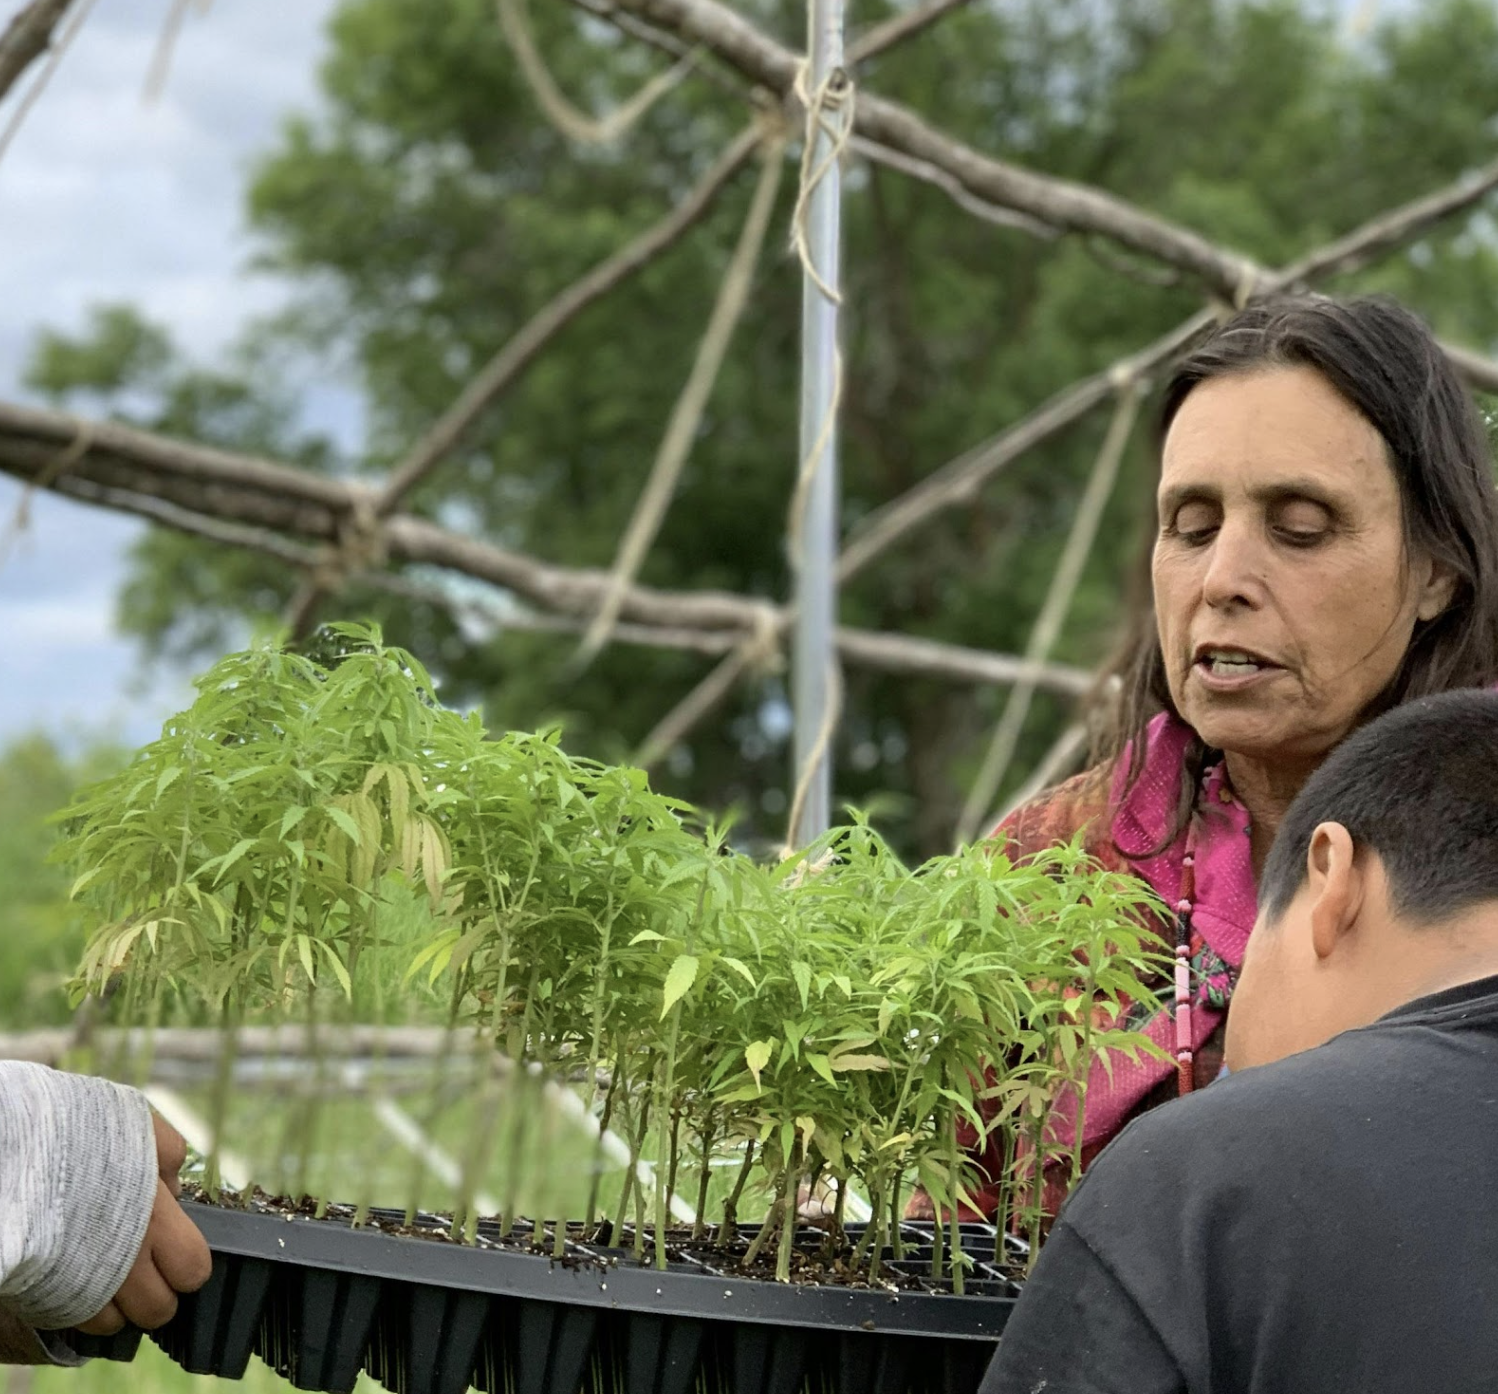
[[1235, 567]]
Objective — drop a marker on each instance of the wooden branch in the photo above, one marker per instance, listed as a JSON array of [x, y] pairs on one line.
[[1059, 761], [243, 501], [902, 27], [665, 43], [506, 365], [692, 710], [183, 520], [1389, 230], [449, 430], [1059, 202], [26, 38], [904, 653], [1053, 612], [959, 481], [683, 425], [1480, 372], [930, 174], [1056, 202]]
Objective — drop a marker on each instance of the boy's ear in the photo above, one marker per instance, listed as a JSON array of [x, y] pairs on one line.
[[1335, 882]]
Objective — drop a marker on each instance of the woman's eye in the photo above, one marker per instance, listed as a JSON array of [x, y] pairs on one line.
[[1193, 523], [1302, 524]]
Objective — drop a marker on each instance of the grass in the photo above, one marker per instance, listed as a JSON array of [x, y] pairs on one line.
[[151, 1373]]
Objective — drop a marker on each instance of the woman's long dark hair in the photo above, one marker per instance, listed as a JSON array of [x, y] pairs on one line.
[[1385, 362]]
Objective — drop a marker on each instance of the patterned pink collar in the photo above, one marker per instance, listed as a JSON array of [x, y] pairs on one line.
[[1225, 905]]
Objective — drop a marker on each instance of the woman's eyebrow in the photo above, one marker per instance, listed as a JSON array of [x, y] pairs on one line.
[[1175, 497], [1286, 490], [1270, 492]]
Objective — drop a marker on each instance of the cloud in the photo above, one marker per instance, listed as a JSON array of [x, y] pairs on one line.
[[104, 197]]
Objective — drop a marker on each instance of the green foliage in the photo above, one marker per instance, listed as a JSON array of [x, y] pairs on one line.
[[151, 1372], [428, 210], [41, 933], [842, 1013]]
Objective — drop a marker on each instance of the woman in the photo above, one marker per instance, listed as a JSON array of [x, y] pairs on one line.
[[1327, 548]]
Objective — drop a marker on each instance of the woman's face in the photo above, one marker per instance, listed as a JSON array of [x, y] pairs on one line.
[[1283, 592]]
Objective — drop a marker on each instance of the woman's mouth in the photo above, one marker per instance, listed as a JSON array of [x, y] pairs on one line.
[[1227, 670]]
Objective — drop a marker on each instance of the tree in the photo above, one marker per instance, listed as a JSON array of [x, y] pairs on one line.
[[41, 931], [430, 209]]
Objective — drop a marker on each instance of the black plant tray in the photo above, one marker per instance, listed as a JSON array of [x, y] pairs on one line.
[[318, 1301]]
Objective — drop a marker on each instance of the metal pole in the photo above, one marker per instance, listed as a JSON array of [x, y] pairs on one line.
[[816, 584]]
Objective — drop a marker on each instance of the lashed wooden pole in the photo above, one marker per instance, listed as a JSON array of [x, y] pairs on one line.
[[815, 510]]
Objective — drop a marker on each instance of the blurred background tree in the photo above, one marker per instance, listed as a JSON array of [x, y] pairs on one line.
[[428, 209], [41, 932]]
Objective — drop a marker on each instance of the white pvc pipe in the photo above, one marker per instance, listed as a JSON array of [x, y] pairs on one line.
[[816, 580]]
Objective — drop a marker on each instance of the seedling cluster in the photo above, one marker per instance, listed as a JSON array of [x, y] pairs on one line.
[[837, 1019]]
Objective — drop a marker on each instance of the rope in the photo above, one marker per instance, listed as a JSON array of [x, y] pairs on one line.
[[161, 60], [54, 59], [831, 713], [361, 546], [829, 113], [758, 653], [1052, 613], [834, 95], [573, 123], [45, 478], [686, 415]]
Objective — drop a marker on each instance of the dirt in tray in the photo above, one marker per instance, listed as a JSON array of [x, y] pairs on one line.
[[816, 1260]]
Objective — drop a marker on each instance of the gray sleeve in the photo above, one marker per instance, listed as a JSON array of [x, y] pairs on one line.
[[77, 1183]]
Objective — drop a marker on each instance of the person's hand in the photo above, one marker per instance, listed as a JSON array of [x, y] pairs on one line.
[[173, 1255], [171, 1153]]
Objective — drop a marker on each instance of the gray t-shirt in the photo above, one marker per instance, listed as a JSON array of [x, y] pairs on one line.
[[1323, 1223], [77, 1182]]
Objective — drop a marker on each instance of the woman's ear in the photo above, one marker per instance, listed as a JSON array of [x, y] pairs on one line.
[[1438, 587], [1335, 885]]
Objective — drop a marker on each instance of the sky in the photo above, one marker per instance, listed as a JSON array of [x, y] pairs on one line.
[[107, 198]]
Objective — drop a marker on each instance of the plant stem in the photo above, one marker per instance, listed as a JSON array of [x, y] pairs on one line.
[[1002, 1217], [520, 1115], [669, 1123], [1084, 1061], [766, 1230], [731, 1205], [937, 1240], [664, 1131], [956, 1172], [675, 1151], [872, 1243], [418, 1161], [787, 1226], [308, 1113], [223, 1080], [475, 1163], [1037, 1189], [870, 1230], [603, 1126], [639, 1244], [699, 1225], [636, 1136], [896, 1227]]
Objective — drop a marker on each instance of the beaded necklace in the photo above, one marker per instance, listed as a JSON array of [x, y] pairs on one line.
[[1185, 1050]]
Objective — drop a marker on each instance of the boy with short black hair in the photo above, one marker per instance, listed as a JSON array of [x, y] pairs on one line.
[[1329, 1221]]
